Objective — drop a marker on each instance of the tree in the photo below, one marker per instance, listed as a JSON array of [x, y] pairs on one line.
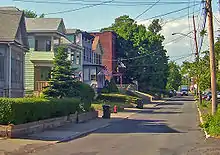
[[150, 64], [174, 76], [32, 14], [155, 26], [61, 82]]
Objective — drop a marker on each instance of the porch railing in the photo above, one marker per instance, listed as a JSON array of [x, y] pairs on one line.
[[40, 85]]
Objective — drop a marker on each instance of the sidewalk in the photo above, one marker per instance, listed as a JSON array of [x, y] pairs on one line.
[[61, 134]]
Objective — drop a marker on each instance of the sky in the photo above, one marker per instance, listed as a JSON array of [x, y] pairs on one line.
[[94, 18]]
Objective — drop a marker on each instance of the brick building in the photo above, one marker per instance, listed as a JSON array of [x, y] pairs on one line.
[[108, 42]]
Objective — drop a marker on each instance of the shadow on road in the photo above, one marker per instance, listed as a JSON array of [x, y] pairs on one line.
[[138, 126]]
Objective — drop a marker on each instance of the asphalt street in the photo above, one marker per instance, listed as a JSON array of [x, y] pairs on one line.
[[171, 128]]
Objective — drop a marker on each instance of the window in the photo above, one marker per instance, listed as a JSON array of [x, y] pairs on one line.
[[2, 67], [77, 58], [36, 45], [48, 45], [93, 77], [94, 57], [16, 69], [84, 54]]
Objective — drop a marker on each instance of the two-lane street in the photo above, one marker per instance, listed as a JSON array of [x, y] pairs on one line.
[[171, 128]]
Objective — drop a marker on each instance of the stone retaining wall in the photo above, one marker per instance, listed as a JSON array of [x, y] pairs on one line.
[[15, 131]]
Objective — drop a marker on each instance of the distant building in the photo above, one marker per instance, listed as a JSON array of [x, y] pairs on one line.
[[13, 46], [108, 42], [91, 55]]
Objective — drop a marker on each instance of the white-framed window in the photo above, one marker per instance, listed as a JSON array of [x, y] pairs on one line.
[[17, 68], [2, 64], [78, 58]]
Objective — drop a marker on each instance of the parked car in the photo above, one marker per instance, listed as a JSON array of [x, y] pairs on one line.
[[172, 93], [208, 96]]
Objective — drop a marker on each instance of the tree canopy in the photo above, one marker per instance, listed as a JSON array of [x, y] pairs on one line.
[[142, 52], [32, 14], [201, 69], [174, 77]]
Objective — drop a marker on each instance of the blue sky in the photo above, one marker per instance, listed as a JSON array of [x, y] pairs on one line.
[[103, 16], [99, 16]]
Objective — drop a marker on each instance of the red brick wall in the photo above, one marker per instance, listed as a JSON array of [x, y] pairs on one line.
[[108, 42]]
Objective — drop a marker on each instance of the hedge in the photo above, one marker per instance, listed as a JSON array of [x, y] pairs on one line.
[[118, 98], [24, 110]]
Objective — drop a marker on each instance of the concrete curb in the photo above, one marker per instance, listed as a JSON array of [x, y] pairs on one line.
[[202, 122], [82, 134], [85, 133]]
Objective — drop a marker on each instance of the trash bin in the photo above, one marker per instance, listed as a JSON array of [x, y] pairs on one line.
[[106, 111], [140, 104]]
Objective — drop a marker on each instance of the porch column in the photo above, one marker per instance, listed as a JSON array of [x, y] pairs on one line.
[[52, 44]]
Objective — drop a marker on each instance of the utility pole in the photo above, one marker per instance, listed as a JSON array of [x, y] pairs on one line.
[[197, 55], [211, 55]]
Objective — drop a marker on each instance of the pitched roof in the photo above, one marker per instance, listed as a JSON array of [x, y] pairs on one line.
[[10, 18], [71, 31], [43, 24], [95, 43]]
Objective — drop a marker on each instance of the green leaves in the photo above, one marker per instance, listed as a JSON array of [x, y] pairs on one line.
[[24, 110], [61, 77], [174, 76], [151, 67]]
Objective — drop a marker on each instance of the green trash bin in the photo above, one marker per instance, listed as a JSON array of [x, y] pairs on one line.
[[106, 112], [140, 104]]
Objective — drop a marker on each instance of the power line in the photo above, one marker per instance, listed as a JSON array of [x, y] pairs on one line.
[[146, 10], [116, 3], [85, 7], [168, 13]]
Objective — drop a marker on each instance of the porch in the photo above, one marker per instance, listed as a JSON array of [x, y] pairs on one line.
[[41, 77]]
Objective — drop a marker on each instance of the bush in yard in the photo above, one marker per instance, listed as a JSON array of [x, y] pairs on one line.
[[84, 92], [112, 86], [118, 98], [24, 110], [61, 76]]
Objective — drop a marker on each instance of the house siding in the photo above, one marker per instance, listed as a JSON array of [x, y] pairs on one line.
[[3, 50], [29, 73]]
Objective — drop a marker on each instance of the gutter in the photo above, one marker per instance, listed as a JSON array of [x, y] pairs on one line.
[[9, 74]]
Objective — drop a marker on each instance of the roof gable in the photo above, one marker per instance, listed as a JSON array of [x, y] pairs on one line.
[[21, 35], [10, 18], [45, 25]]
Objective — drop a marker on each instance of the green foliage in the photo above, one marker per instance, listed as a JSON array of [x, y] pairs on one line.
[[112, 88], [24, 110], [174, 77], [202, 69], [212, 124], [155, 26], [32, 14], [133, 40], [118, 98], [61, 80]]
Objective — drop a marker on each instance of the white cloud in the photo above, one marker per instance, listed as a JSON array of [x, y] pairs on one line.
[[185, 45]]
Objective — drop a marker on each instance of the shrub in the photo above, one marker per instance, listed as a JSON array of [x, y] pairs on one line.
[[118, 98], [84, 92], [24, 110], [112, 86], [212, 124]]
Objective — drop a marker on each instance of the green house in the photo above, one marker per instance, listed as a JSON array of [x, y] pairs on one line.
[[43, 35]]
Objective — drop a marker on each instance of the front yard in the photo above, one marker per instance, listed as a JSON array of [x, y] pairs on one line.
[[121, 101]]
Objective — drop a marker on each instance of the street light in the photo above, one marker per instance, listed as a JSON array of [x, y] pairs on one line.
[[186, 35]]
